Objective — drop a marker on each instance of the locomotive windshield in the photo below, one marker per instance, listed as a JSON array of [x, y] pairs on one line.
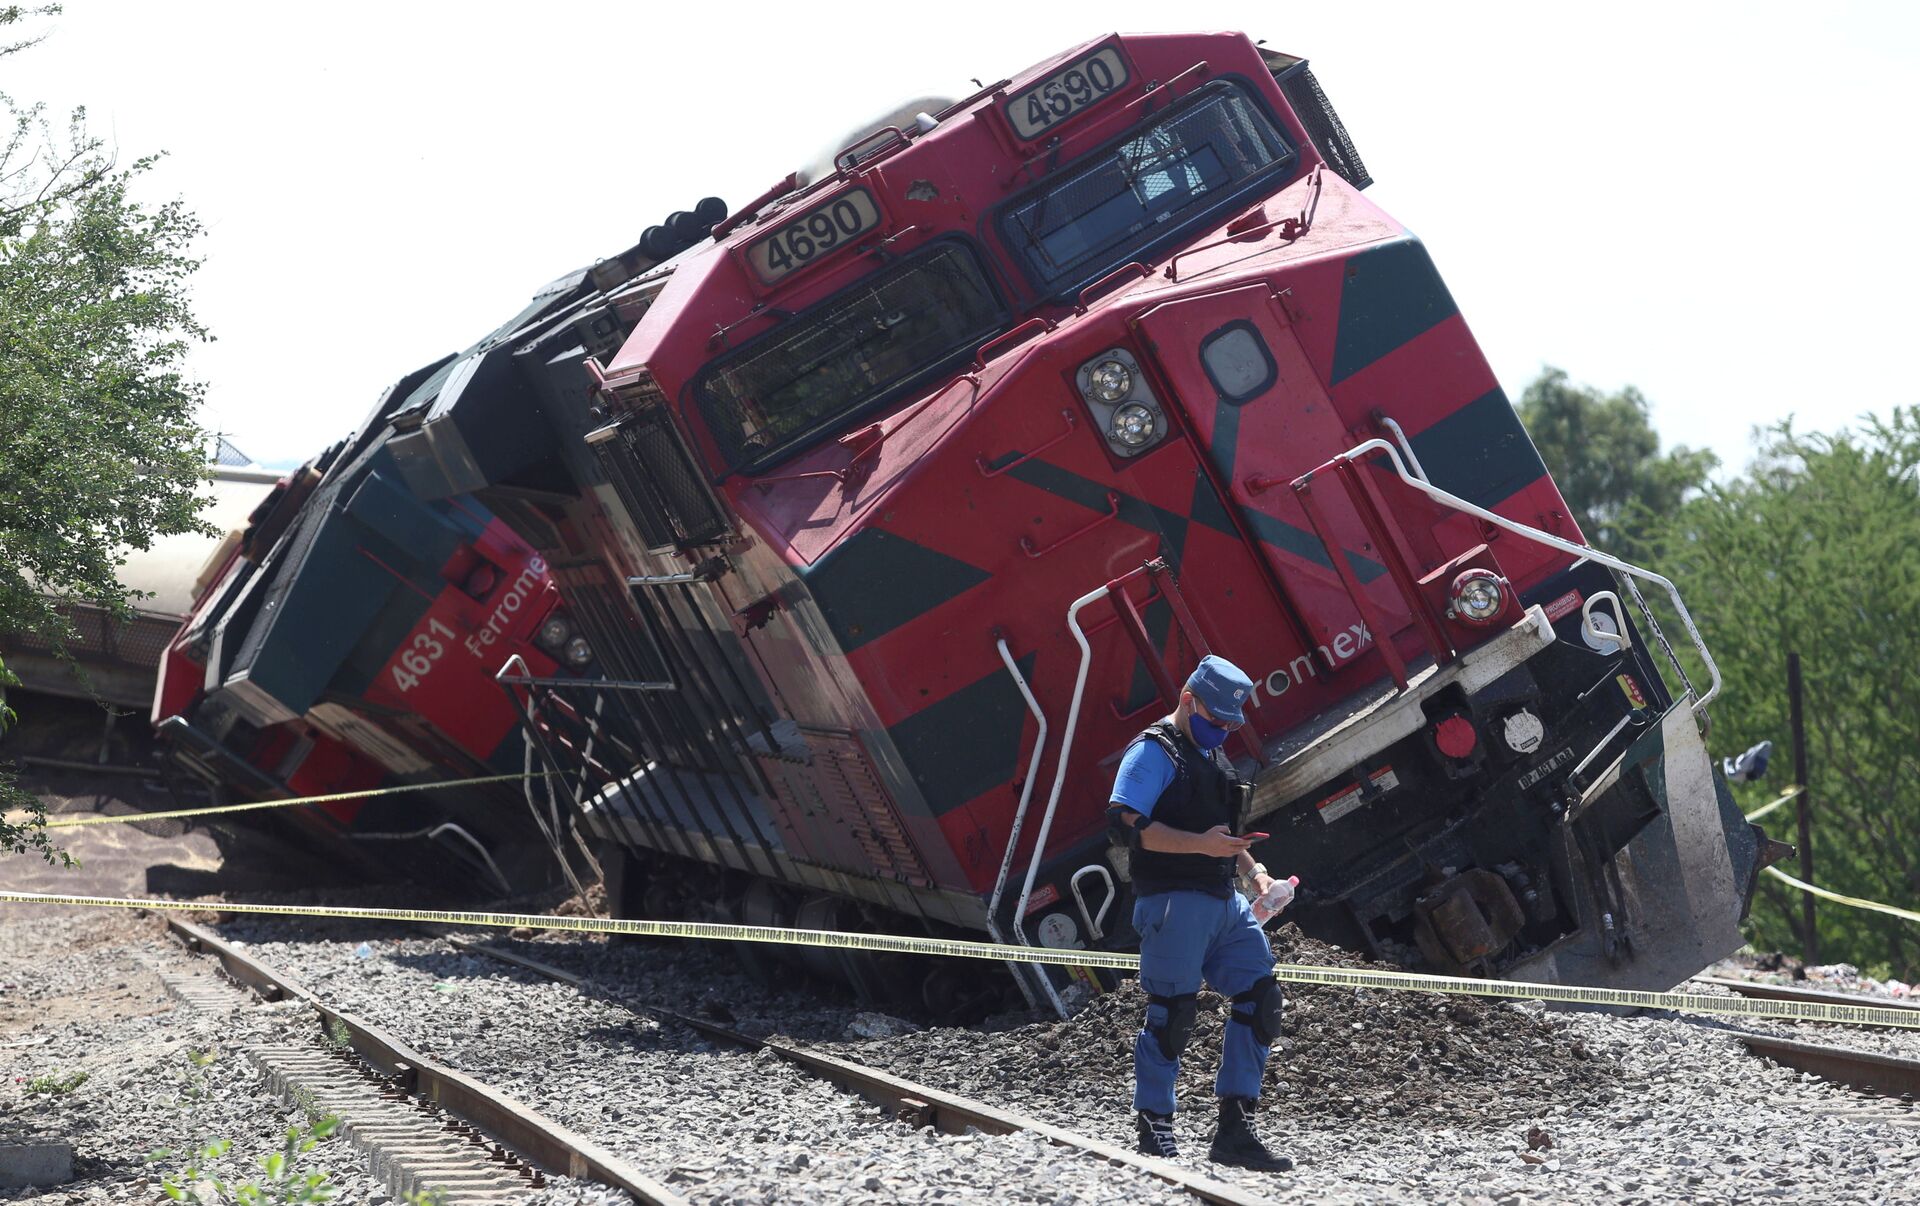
[[1160, 181], [853, 352]]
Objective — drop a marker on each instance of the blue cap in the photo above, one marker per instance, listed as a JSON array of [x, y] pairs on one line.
[[1222, 688]]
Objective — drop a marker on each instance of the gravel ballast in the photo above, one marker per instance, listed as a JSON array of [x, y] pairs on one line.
[[82, 993], [715, 1123], [1392, 1097]]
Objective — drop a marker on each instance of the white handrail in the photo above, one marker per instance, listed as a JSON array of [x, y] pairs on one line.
[[1013, 839], [1406, 446], [1066, 748], [1551, 541]]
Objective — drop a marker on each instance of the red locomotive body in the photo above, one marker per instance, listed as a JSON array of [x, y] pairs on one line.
[[896, 503], [951, 462]]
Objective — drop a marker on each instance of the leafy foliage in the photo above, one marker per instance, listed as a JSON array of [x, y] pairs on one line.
[[1816, 548], [99, 450], [54, 1086], [1605, 455], [282, 1180], [23, 816]]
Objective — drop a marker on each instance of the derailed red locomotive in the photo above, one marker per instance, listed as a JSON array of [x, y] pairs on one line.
[[896, 503]]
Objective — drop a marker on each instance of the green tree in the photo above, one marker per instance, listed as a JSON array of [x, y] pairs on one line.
[[99, 450], [1816, 548], [1603, 452]]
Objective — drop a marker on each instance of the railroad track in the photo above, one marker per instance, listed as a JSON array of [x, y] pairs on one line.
[[371, 1078], [1816, 996], [539, 1143], [1879, 1074], [921, 1105]]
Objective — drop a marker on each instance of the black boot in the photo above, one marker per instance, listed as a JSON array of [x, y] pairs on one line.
[[1156, 1135], [1235, 1143]]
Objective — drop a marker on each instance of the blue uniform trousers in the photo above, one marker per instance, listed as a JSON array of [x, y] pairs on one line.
[[1185, 936]]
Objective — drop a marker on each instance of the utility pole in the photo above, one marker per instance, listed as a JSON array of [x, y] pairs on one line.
[[1810, 951]]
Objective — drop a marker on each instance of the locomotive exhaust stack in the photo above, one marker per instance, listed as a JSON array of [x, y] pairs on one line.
[[893, 505]]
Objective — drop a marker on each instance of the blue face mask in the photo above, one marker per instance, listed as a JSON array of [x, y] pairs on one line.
[[1206, 734]]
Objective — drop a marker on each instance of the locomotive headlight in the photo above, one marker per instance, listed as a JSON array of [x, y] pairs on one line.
[[1132, 425], [553, 632], [1478, 595], [578, 652], [1110, 381]]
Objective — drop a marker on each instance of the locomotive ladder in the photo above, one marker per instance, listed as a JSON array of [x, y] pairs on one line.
[[695, 733]]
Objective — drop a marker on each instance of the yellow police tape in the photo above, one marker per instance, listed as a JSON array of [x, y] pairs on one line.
[[1338, 977], [1837, 898], [60, 822], [1792, 793]]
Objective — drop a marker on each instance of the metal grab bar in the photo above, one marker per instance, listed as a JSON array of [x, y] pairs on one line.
[[1600, 636], [1096, 922], [1013, 839], [1009, 339], [1539, 537], [985, 466], [1031, 549], [1066, 748]]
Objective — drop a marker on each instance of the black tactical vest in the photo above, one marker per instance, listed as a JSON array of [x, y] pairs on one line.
[[1204, 793]]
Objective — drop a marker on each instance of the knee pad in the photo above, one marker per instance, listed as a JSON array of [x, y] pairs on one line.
[[1182, 1012], [1260, 1008]]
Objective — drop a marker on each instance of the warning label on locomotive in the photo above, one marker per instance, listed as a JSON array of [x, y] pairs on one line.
[[1564, 605], [1545, 768], [1340, 804]]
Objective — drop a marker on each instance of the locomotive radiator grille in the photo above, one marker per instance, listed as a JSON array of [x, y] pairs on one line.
[[655, 476], [1323, 125]]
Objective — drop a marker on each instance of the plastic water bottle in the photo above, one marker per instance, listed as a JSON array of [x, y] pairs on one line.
[[1278, 897]]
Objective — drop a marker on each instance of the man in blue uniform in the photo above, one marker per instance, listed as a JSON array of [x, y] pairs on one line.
[[1175, 802]]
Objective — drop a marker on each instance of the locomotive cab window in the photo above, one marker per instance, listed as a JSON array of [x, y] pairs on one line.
[[1238, 362], [1159, 182], [849, 355]]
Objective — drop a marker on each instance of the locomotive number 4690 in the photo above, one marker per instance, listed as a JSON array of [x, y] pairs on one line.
[[1064, 93], [832, 223]]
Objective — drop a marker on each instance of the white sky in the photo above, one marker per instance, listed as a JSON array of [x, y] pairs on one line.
[[1708, 201]]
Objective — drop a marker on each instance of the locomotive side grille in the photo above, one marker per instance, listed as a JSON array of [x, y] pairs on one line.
[[1323, 125], [838, 786], [654, 473]]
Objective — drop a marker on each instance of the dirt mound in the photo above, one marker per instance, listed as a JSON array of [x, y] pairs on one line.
[[1343, 1053]]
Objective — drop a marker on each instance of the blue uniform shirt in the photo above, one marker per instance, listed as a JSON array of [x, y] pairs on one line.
[[1144, 774]]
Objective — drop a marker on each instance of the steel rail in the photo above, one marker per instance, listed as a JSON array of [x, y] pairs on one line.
[[539, 1139], [1817, 996], [1870, 1071], [918, 1104]]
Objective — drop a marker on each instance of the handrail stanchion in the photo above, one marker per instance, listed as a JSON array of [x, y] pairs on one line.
[[1551, 541], [1020, 974], [1066, 748]]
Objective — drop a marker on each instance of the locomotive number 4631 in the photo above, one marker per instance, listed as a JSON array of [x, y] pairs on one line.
[[1077, 86], [415, 663], [831, 224]]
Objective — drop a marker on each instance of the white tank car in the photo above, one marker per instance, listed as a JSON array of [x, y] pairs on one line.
[[121, 661]]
